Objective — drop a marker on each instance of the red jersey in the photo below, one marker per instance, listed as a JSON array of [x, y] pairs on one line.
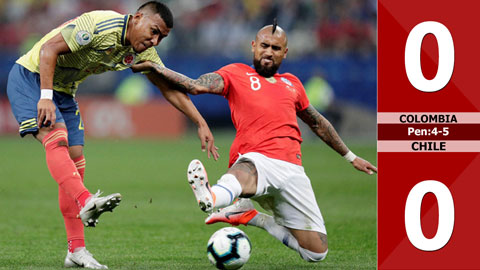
[[264, 112]]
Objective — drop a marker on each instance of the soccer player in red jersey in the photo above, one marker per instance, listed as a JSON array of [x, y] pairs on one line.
[[265, 157]]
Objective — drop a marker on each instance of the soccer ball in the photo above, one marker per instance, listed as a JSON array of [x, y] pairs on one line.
[[229, 248]]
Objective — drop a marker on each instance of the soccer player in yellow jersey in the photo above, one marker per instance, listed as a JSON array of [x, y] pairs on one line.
[[42, 86]]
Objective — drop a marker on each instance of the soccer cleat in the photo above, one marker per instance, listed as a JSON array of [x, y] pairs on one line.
[[241, 212], [96, 206], [198, 180], [82, 258]]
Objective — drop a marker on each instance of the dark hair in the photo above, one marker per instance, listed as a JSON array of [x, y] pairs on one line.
[[160, 8]]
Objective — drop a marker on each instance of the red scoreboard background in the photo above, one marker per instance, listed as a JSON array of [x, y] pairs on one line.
[[428, 134]]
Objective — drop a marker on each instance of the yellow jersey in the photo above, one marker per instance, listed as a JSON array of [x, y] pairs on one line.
[[97, 43]]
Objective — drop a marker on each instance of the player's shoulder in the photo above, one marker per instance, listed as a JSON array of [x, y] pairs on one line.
[[149, 51], [288, 75], [150, 54], [237, 67], [105, 16], [289, 78], [106, 22]]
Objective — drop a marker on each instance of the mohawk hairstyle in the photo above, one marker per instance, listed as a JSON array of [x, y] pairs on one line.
[[274, 25]]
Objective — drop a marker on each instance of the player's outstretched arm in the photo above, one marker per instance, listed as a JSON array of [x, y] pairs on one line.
[[322, 127], [183, 103], [211, 83]]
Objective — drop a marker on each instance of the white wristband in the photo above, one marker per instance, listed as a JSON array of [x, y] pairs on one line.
[[350, 156], [46, 94]]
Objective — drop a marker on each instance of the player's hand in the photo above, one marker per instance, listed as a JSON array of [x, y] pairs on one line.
[[208, 142], [142, 66], [364, 166], [46, 113]]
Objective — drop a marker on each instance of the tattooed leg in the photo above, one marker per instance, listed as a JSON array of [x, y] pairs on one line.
[[247, 175]]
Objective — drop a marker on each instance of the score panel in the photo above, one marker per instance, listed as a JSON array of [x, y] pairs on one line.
[[428, 134]]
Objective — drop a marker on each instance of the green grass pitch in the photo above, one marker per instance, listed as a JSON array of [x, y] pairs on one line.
[[158, 225]]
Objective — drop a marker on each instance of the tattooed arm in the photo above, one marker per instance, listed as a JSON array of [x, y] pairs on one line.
[[207, 83], [322, 127], [182, 102]]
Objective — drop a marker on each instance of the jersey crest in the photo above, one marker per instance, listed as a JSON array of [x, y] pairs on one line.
[[129, 59], [271, 80], [289, 84], [285, 80]]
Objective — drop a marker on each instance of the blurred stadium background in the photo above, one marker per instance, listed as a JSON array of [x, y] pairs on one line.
[[332, 49], [133, 146]]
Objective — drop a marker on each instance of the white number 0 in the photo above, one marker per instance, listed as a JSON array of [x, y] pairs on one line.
[[446, 56], [255, 83], [446, 210], [446, 215]]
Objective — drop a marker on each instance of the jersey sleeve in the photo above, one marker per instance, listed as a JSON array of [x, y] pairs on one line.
[[302, 99], [78, 33], [149, 55], [226, 73]]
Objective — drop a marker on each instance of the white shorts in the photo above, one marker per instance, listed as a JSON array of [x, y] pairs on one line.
[[285, 189]]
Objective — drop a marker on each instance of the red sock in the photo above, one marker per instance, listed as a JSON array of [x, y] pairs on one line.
[[69, 209], [75, 243], [82, 198], [60, 164], [73, 225], [80, 164]]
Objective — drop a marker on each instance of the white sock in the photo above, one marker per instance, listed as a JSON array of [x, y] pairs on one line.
[[226, 190], [281, 233], [311, 256]]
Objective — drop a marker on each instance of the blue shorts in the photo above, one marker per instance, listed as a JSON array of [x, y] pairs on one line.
[[23, 90]]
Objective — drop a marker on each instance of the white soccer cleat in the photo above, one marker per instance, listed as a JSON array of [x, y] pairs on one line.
[[241, 212], [198, 180], [82, 258], [96, 206]]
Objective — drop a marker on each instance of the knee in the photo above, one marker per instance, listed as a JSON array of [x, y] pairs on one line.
[[311, 256], [315, 250], [75, 151], [47, 132], [55, 138], [246, 174]]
